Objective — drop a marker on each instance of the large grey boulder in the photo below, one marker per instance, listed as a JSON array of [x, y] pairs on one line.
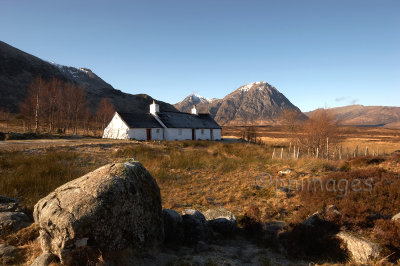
[[13, 221], [361, 250], [221, 220], [112, 208]]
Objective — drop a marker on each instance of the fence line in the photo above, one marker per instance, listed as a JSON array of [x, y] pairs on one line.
[[332, 153]]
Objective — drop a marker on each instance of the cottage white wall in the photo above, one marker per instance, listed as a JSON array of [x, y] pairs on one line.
[[157, 135], [205, 136], [141, 134], [116, 129], [216, 134], [137, 133], [173, 134]]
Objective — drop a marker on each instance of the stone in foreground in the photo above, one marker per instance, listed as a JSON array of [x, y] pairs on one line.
[[194, 227], [396, 217], [13, 221], [112, 208], [173, 229], [221, 220], [44, 259], [362, 250], [8, 204]]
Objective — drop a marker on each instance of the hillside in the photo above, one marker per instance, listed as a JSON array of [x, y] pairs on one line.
[[256, 103], [18, 69], [359, 115]]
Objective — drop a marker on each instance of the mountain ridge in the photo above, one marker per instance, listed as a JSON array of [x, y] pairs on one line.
[[257, 103], [360, 115], [18, 69]]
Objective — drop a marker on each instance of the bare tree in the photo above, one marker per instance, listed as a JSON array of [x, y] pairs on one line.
[[55, 104], [291, 119], [5, 116], [105, 111], [319, 131], [250, 134], [32, 106]]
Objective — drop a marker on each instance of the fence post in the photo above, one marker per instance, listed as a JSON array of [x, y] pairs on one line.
[[282, 153], [273, 154], [317, 153], [327, 148]]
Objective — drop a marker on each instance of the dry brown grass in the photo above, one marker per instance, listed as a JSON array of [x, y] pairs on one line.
[[205, 174]]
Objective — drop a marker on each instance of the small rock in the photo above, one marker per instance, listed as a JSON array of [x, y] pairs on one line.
[[194, 226], [44, 260], [285, 171], [13, 221], [173, 229], [194, 213], [8, 204], [8, 254], [396, 217], [274, 227], [332, 210], [223, 226], [220, 212], [362, 250], [7, 250], [221, 220], [375, 216], [312, 219]]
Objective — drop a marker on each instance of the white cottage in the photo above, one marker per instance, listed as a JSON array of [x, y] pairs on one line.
[[158, 125]]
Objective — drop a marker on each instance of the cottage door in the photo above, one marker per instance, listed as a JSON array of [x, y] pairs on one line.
[[148, 134], [211, 134], [193, 134]]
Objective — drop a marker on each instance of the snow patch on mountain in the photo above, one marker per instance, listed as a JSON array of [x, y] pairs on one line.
[[73, 71], [247, 87], [196, 98]]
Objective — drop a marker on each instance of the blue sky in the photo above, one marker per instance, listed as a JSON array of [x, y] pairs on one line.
[[317, 53]]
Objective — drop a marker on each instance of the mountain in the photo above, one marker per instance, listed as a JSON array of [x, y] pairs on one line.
[[18, 69], [256, 103], [204, 105], [359, 115]]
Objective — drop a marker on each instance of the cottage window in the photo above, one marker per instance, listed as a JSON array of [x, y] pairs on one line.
[[202, 131], [180, 131], [158, 130]]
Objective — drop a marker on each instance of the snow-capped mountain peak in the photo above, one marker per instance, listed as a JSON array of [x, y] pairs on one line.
[[249, 86], [196, 98]]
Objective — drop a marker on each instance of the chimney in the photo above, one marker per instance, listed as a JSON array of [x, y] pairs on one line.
[[154, 108], [194, 110]]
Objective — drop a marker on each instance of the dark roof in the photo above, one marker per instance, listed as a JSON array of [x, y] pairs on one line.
[[186, 120], [140, 120]]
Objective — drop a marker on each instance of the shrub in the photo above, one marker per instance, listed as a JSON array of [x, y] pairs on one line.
[[315, 242], [365, 161], [388, 232], [251, 221], [355, 206]]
